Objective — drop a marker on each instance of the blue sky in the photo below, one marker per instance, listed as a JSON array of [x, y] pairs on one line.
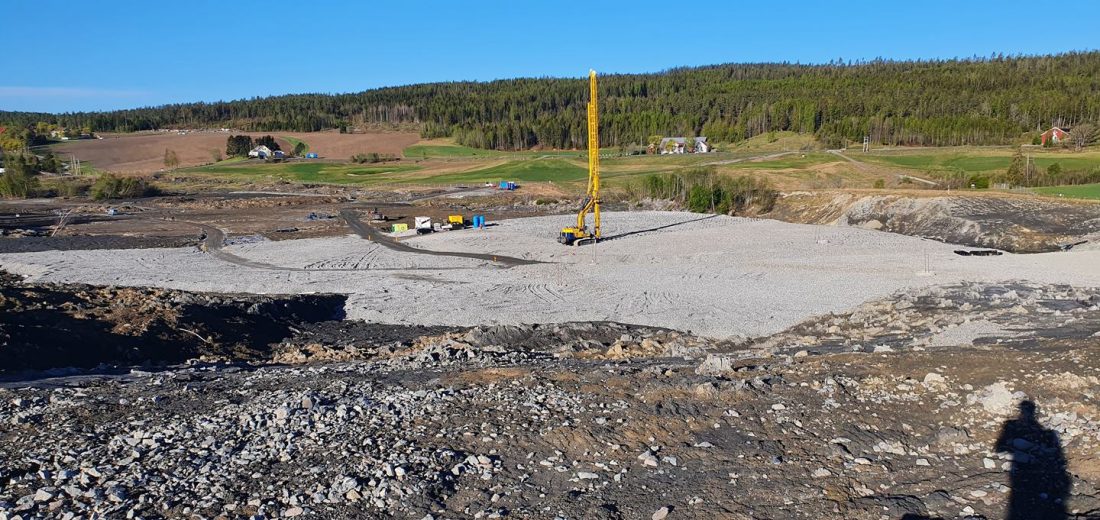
[[105, 55]]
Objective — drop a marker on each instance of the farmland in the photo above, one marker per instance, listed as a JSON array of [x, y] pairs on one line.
[[976, 160], [294, 142], [143, 153], [305, 172], [1083, 191], [787, 160]]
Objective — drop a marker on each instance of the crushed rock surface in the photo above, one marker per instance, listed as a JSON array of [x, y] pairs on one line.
[[712, 275]]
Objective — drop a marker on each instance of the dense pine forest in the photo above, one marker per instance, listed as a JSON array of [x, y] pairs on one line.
[[978, 101]]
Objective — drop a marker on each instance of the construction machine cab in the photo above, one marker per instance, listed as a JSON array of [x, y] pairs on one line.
[[572, 236]]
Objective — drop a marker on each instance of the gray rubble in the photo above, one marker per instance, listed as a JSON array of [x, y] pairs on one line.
[[598, 420]]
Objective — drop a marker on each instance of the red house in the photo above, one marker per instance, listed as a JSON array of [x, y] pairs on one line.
[[1055, 135]]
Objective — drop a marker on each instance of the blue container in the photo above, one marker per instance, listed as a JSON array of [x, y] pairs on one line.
[[479, 221]]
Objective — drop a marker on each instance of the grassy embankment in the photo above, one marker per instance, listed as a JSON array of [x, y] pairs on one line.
[[294, 141]]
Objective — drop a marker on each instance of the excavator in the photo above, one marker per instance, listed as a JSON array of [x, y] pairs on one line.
[[581, 234]]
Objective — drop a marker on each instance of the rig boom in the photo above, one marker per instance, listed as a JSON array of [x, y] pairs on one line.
[[580, 233]]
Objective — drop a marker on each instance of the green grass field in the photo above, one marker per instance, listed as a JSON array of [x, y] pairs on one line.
[[424, 151], [569, 168], [454, 151], [793, 161], [307, 172], [537, 170], [950, 160], [294, 143], [1082, 191], [532, 170]]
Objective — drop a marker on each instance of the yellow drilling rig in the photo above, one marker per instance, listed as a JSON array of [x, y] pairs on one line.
[[580, 234]]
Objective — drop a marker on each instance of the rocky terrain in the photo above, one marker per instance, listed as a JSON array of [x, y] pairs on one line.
[[1015, 223], [905, 407]]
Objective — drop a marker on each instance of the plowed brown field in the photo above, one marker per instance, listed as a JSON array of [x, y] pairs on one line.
[[144, 152]]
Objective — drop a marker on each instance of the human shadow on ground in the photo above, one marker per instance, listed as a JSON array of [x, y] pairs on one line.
[[1038, 479], [1039, 482]]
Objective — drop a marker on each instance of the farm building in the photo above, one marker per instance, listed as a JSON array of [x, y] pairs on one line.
[[679, 145], [1055, 135], [261, 152]]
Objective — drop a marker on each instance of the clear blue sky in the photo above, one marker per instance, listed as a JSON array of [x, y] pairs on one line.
[[96, 55]]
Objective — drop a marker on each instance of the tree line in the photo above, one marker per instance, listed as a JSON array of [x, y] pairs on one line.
[[704, 190], [975, 101], [240, 145]]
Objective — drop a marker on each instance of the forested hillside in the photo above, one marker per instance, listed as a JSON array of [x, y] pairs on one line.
[[955, 102]]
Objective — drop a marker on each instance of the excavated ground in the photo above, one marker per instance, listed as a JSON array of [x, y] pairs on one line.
[[861, 375], [1010, 222], [903, 406]]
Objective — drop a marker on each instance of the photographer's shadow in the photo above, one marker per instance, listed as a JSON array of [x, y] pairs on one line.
[[1038, 480]]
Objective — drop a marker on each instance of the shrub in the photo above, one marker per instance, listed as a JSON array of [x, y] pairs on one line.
[[979, 182], [114, 187], [372, 157], [880, 184], [18, 184], [701, 199], [702, 190], [66, 187]]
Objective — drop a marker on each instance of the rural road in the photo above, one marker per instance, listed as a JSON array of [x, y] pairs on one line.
[[753, 158], [863, 166], [214, 243], [378, 237]]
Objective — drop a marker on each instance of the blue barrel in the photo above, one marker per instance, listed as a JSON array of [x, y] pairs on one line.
[[479, 221]]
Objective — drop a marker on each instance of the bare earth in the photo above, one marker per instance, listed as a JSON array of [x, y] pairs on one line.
[[144, 152]]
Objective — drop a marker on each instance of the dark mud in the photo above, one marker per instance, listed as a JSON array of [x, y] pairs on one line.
[[90, 242], [49, 326]]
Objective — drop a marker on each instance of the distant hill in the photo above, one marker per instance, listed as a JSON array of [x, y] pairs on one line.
[[950, 102]]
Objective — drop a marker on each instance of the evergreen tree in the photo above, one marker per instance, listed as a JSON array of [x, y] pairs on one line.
[[924, 103]]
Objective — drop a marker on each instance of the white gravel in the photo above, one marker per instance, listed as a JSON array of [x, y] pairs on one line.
[[717, 276]]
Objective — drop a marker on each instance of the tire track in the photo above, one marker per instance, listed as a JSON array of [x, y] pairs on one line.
[[379, 238], [214, 243]]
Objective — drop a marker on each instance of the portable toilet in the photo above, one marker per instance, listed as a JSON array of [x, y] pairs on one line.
[[423, 224]]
